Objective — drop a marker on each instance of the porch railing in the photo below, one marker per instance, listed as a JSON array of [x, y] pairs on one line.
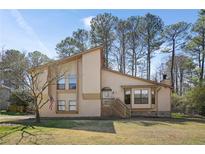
[[120, 109]]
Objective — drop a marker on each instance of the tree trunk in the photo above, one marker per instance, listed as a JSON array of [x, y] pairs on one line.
[[176, 80], [181, 82], [37, 116], [133, 61], [203, 58], [148, 61], [124, 61], [106, 52], [172, 64], [121, 60], [135, 64]]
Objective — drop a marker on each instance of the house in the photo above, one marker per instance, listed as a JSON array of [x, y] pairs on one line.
[[5, 93], [87, 89]]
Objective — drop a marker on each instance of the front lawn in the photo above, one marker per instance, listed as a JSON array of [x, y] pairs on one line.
[[132, 131], [4, 112]]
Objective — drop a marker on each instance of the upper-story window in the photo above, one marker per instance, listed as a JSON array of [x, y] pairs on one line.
[[72, 81], [61, 84]]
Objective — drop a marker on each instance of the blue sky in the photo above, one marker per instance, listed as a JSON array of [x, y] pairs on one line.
[[29, 30]]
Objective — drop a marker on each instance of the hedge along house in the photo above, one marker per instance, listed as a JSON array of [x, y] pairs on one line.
[[87, 89]]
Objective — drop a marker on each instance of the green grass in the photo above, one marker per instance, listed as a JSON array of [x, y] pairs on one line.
[[132, 131], [3, 112]]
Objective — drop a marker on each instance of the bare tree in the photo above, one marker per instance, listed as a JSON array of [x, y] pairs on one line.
[[174, 36], [38, 88]]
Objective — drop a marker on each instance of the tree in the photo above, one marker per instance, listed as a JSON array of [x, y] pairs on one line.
[[82, 39], [151, 29], [182, 73], [12, 62], [102, 33], [36, 88], [174, 36], [134, 41], [121, 36], [78, 42], [66, 47], [199, 42], [196, 99], [184, 67], [36, 58]]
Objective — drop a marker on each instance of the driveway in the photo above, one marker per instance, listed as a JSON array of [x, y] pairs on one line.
[[6, 118]]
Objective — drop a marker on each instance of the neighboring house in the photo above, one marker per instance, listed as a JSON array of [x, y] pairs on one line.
[[5, 93], [87, 89]]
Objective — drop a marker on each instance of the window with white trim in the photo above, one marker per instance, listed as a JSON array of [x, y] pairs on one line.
[[61, 83], [72, 105], [72, 81], [141, 96], [61, 105]]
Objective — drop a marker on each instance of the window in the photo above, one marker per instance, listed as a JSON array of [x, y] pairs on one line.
[[72, 105], [153, 96], [127, 96], [107, 94], [61, 84], [141, 96], [61, 105], [72, 81]]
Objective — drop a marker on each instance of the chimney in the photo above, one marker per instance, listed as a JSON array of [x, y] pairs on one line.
[[164, 76], [165, 80]]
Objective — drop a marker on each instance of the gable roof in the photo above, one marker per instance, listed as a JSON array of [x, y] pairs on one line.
[[73, 57], [138, 78]]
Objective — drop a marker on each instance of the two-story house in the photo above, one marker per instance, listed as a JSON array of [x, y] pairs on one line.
[[87, 89]]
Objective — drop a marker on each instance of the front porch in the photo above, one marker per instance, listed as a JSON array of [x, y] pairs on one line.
[[137, 101]]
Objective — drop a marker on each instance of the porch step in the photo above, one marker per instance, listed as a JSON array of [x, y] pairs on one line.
[[116, 108]]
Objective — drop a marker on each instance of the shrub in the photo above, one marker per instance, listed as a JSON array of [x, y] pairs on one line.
[[178, 103], [196, 98], [20, 100]]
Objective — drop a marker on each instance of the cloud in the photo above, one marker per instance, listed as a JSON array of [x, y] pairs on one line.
[[23, 24], [86, 21]]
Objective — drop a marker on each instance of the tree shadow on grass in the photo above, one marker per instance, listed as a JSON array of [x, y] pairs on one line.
[[25, 131]]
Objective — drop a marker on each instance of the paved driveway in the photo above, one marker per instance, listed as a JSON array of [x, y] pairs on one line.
[[6, 118]]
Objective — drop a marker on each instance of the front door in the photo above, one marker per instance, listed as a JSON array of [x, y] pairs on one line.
[[141, 98]]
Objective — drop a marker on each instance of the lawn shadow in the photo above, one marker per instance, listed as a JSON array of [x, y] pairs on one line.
[[103, 126], [25, 130], [145, 121]]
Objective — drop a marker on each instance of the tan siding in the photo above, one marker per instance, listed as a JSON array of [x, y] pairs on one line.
[[86, 108], [164, 99], [115, 81], [91, 72]]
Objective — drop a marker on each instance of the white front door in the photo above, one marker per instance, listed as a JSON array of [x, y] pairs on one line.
[[141, 98]]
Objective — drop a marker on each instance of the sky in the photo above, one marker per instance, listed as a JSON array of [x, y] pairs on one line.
[[30, 30]]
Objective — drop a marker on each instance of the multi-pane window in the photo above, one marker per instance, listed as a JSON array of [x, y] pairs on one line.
[[72, 106], [61, 105], [141, 96], [72, 81], [127, 96], [61, 84]]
